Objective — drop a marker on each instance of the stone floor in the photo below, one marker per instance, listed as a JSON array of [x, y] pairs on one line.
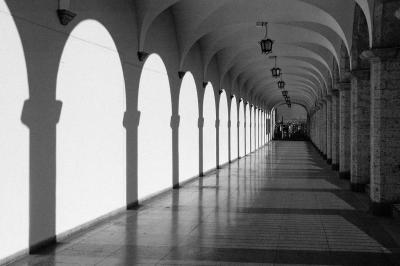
[[279, 205]]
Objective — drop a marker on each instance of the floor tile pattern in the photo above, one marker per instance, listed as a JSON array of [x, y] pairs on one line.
[[281, 205]]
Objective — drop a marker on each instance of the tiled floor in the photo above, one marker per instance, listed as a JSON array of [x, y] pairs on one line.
[[280, 205]]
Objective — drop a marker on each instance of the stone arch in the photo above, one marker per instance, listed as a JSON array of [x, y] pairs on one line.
[[209, 135], [345, 64], [154, 132], [296, 111], [188, 129], [242, 129], [253, 127], [223, 129], [234, 129], [91, 139], [360, 41], [248, 131]]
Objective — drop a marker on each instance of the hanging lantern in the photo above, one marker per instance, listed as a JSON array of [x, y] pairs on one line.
[[288, 102], [285, 93], [281, 84], [266, 43], [276, 71]]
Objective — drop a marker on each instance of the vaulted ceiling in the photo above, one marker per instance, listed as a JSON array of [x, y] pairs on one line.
[[308, 37]]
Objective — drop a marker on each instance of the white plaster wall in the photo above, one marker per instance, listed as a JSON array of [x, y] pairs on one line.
[[188, 129], [14, 139], [234, 129], [248, 122], [223, 129], [91, 141], [242, 140], [154, 136], [209, 139]]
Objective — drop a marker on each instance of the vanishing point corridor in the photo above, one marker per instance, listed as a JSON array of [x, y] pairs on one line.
[[187, 132], [279, 205]]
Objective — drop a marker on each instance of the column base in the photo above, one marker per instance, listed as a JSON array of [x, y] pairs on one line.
[[335, 167], [381, 208], [329, 161], [344, 175], [133, 205], [42, 245], [355, 187]]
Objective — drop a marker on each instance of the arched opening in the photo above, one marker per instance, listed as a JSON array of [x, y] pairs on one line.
[[91, 171], [248, 123], [154, 132], [209, 136], [261, 128], [14, 139], [272, 122], [265, 128], [188, 129], [242, 139], [267, 122], [223, 129], [253, 127], [256, 125], [295, 113], [258, 128], [234, 129]]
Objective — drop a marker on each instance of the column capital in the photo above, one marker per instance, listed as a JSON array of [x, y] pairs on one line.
[[344, 86], [217, 122], [37, 113], [345, 77], [175, 120], [328, 97], [378, 54], [320, 103], [335, 93], [361, 74], [200, 122], [131, 118]]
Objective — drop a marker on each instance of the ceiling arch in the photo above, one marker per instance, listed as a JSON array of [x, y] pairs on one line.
[[308, 36]]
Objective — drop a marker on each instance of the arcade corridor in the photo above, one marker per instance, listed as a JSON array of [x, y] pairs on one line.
[[116, 115], [279, 205]]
